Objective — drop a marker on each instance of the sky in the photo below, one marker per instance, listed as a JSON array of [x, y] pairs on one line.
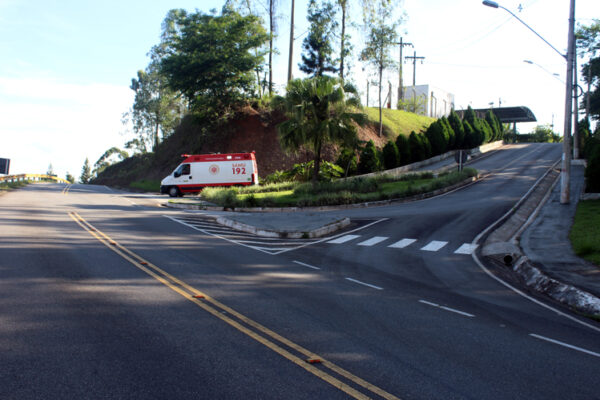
[[67, 65]]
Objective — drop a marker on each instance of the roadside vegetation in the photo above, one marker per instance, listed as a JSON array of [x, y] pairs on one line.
[[6, 186], [339, 192], [585, 233]]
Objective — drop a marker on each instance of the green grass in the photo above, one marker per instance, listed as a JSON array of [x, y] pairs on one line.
[[350, 191], [146, 185], [585, 233], [399, 121]]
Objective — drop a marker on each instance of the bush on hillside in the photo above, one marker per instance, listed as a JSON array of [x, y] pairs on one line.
[[419, 147], [391, 155], [403, 149], [369, 159], [449, 134], [457, 128], [438, 136], [592, 172], [347, 160]]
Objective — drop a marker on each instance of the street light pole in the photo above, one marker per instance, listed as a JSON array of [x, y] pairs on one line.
[[565, 175], [566, 158]]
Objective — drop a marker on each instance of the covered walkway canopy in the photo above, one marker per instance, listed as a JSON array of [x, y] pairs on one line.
[[506, 115]]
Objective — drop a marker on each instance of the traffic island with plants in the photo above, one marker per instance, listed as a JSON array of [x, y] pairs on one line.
[[340, 192]]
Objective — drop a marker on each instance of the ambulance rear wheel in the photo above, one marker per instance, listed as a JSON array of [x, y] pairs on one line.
[[174, 192]]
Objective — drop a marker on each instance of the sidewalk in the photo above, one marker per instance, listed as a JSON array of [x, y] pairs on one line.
[[546, 241]]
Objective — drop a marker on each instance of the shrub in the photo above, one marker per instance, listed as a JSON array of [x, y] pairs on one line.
[[457, 128], [437, 136], [592, 172], [369, 159], [347, 160], [391, 155], [403, 149]]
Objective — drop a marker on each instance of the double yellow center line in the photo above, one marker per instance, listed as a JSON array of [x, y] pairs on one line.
[[304, 358]]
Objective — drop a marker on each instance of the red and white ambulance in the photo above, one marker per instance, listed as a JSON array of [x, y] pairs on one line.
[[199, 171]]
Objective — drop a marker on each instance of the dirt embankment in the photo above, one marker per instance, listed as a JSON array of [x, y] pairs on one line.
[[249, 130]]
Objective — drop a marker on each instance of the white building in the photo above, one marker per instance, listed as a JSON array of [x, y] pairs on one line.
[[428, 100]]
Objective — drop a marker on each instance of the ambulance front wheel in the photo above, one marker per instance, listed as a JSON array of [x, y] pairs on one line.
[[174, 191]]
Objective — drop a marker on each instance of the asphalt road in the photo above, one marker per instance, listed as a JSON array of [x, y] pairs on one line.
[[104, 295]]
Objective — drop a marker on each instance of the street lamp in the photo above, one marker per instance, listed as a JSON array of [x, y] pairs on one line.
[[554, 74], [566, 158], [493, 4]]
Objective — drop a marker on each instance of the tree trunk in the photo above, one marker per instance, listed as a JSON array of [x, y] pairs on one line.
[[317, 165], [156, 134], [343, 5], [271, 23], [380, 119]]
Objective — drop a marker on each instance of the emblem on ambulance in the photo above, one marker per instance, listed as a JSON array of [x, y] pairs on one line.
[[213, 169]]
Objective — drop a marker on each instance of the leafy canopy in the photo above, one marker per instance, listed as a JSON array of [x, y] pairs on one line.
[[211, 59], [317, 57]]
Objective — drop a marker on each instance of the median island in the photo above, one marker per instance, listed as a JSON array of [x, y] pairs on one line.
[[339, 192]]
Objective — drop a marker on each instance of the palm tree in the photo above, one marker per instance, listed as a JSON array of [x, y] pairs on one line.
[[320, 110]]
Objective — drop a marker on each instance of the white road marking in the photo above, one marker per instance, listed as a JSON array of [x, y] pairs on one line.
[[373, 241], [305, 265], [434, 245], [447, 308], [565, 345], [364, 284], [402, 243], [466, 248], [343, 239]]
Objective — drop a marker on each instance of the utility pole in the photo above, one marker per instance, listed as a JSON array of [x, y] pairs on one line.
[[400, 84], [575, 106], [415, 58], [565, 175], [289, 77]]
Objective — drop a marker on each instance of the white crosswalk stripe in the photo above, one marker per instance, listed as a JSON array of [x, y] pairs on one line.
[[343, 239], [402, 243], [466, 248], [373, 241], [434, 245]]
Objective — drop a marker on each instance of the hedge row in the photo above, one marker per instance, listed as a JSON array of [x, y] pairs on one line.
[[441, 136]]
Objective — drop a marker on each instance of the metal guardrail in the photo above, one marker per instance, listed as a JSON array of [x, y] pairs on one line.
[[32, 177]]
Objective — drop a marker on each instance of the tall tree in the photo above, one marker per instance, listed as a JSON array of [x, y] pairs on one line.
[[317, 57], [381, 36], [588, 41], [248, 7], [110, 156], [86, 172], [272, 28], [320, 110], [210, 58], [156, 109], [345, 46]]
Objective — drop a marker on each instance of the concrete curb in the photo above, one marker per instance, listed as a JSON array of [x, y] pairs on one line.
[[566, 294], [503, 240], [315, 233]]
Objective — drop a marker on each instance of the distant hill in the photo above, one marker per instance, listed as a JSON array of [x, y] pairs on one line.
[[248, 130]]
